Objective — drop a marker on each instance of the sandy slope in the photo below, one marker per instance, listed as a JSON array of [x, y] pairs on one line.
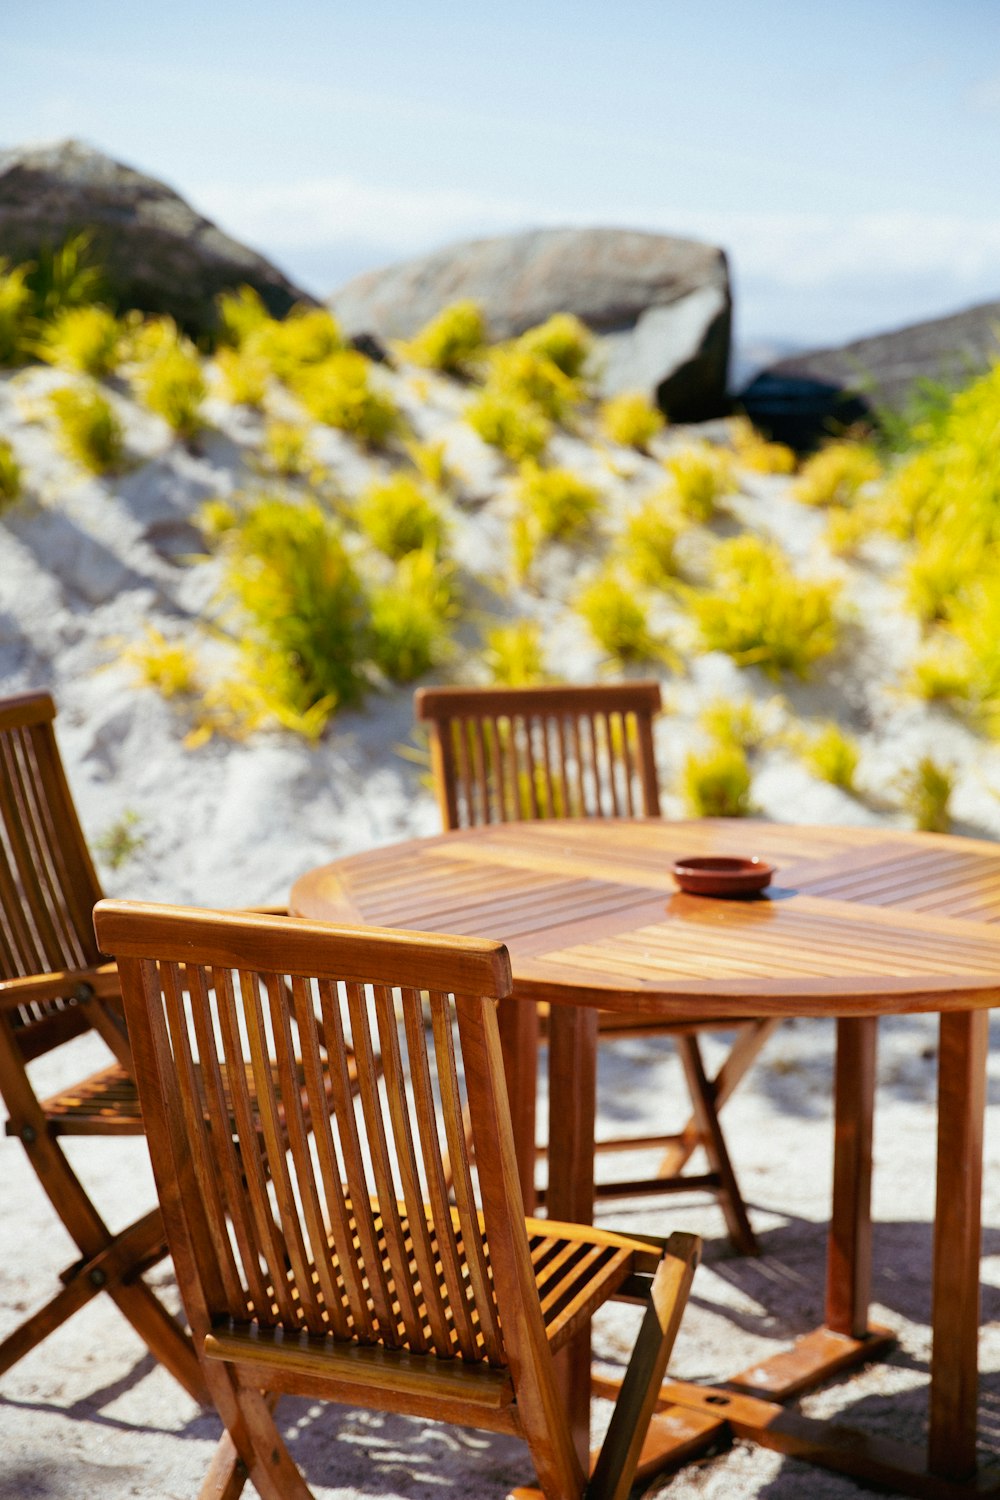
[[85, 565]]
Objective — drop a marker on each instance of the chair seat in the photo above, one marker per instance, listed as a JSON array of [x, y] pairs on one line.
[[107, 1103], [577, 1269]]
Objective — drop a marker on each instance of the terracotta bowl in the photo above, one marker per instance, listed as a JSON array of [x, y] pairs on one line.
[[721, 875]]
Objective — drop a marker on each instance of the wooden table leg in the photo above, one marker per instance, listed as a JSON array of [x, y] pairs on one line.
[[519, 1034], [849, 1249], [570, 1195], [847, 1338], [957, 1236]]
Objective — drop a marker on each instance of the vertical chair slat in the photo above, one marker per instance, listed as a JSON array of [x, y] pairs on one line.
[[384, 1185], [25, 893], [226, 1186], [81, 888], [358, 1188], [459, 737], [479, 1276], [298, 1135], [437, 1189], [166, 986], [394, 1075], [255, 1198], [48, 867], [265, 1147], [274, 1114], [359, 1300]]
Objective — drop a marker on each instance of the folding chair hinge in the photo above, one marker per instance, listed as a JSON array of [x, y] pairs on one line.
[[83, 992]]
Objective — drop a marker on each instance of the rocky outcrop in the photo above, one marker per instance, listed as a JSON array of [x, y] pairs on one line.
[[661, 305], [158, 254], [806, 397]]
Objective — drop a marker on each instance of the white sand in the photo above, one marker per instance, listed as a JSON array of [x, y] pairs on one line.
[[83, 570]]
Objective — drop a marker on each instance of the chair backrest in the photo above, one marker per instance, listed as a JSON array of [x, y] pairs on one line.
[[329, 1238], [506, 754], [48, 885]]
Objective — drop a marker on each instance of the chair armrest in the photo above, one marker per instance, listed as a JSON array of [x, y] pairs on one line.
[[102, 980]]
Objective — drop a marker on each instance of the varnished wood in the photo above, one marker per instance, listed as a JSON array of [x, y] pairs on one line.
[[957, 1235], [812, 1360], [341, 1271], [849, 1252], [858, 923], [579, 751], [54, 985]]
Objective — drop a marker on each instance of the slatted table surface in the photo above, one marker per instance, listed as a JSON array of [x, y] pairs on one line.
[[855, 919], [857, 923]]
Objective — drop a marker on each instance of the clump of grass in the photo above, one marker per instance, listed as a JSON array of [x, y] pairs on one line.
[[533, 380], [716, 783], [89, 429], [926, 791], [287, 449], [937, 575], [942, 673], [171, 667], [761, 614], [430, 462], [513, 653], [848, 527], [618, 621], [306, 613], [244, 376], [833, 756], [701, 477], [554, 505], [560, 504], [241, 314], [173, 386], [510, 424], [410, 631], [121, 841], [649, 541], [836, 474], [308, 337], [451, 341], [65, 276], [15, 314], [398, 516], [631, 420], [755, 452], [731, 721], [10, 475], [339, 392], [563, 340], [85, 339]]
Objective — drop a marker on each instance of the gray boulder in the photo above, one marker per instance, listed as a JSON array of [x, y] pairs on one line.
[[158, 254], [806, 397], [661, 305]]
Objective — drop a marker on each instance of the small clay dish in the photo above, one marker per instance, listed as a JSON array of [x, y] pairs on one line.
[[721, 875]]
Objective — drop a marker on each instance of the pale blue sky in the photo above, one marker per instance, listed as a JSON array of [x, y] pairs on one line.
[[845, 156]]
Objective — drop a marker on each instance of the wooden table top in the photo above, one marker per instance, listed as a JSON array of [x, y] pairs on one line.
[[857, 920]]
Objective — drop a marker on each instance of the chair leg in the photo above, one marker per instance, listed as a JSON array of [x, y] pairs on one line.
[[251, 1447], [110, 1263], [616, 1464], [716, 1150]]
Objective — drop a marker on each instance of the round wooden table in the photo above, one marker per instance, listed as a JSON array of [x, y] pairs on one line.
[[857, 923]]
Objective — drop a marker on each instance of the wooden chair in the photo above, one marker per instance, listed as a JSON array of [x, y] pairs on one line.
[[55, 985], [339, 1269], [505, 754]]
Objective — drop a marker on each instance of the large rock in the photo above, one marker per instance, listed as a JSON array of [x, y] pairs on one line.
[[159, 255], [661, 305], [806, 397]]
